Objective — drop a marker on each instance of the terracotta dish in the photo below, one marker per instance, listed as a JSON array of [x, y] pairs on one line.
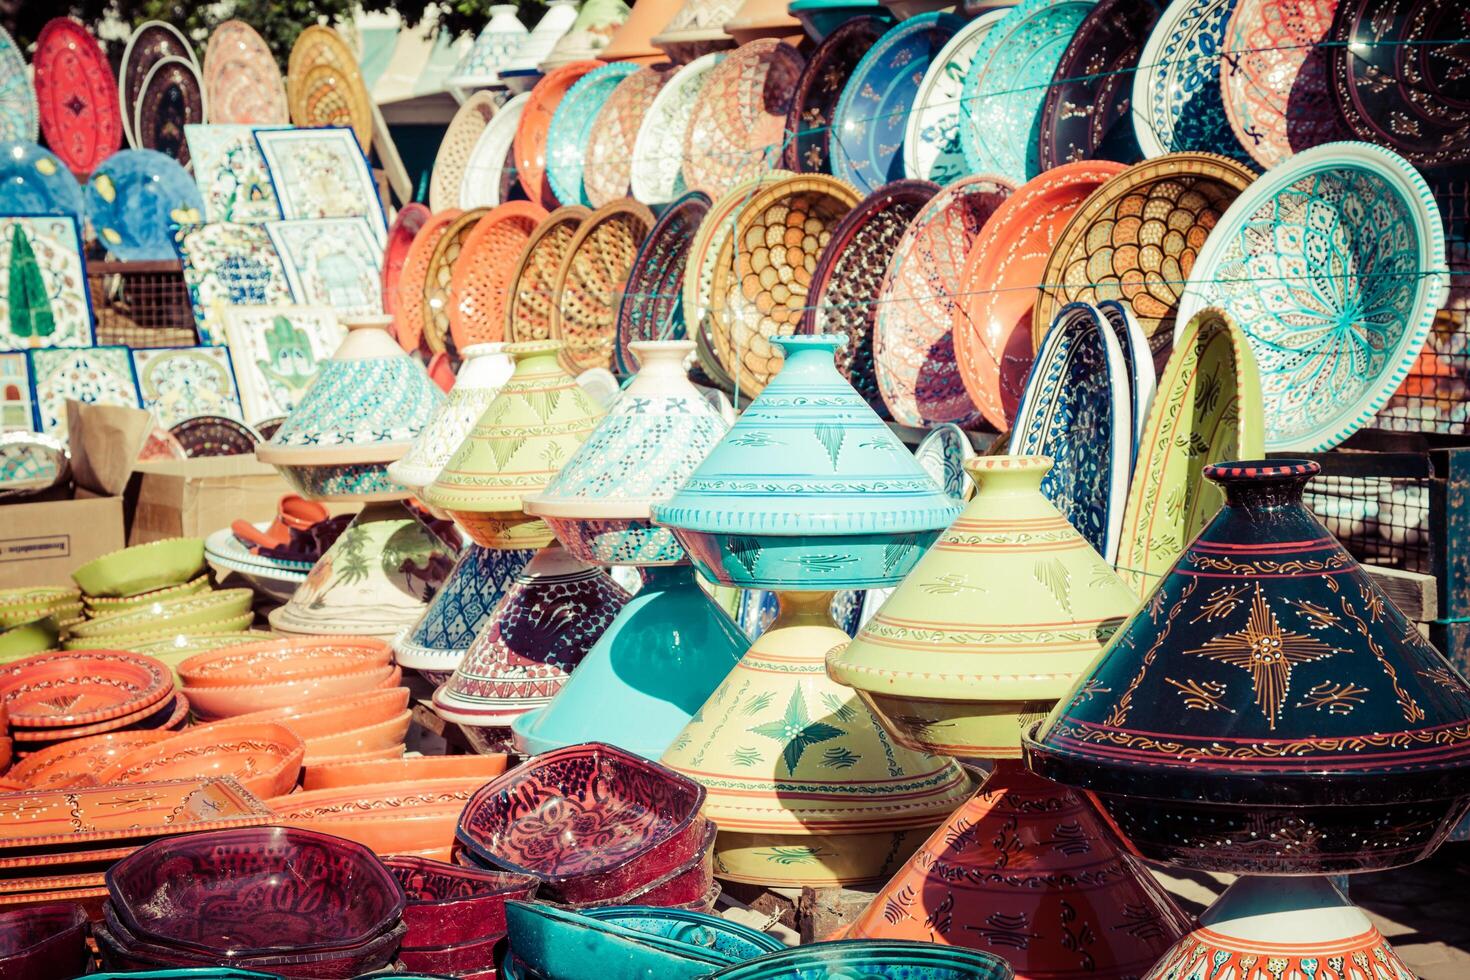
[[265, 759], [535, 123], [408, 314], [339, 774], [480, 280], [589, 284], [529, 311], [284, 660], [223, 702], [67, 690]]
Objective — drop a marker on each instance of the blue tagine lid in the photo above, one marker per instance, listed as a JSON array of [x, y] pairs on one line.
[[808, 462]]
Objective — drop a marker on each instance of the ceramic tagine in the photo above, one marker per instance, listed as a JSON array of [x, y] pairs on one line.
[[483, 373], [493, 50], [697, 29], [672, 644], [521, 72], [596, 22]]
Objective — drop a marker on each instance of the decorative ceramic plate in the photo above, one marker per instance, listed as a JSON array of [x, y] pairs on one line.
[[529, 313], [242, 82], [1207, 410], [94, 375], [406, 225], [484, 172], [942, 453], [480, 279], [66, 690], [324, 86], [850, 273], [1006, 85], [135, 199], [931, 143], [869, 123], [737, 125], [459, 142], [440, 273], [409, 313], [1333, 265], [571, 128], [657, 176], [913, 346], [1391, 62], [652, 306], [607, 170], [697, 29], [1138, 362], [229, 264], [321, 173], [171, 98], [179, 383], [1176, 90], [46, 300], [533, 130], [150, 43], [231, 173], [1086, 114], [33, 180], [992, 327], [589, 284], [1136, 240], [334, 262], [1076, 409], [76, 93], [1273, 77], [18, 117], [809, 120], [215, 435]]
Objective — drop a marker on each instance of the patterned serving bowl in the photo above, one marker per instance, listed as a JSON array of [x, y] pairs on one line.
[[142, 568], [264, 758]]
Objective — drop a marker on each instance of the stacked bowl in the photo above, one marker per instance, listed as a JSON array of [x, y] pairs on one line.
[[31, 619], [455, 915]]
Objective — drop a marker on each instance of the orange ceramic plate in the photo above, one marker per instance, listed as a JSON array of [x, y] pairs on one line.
[[408, 314], [482, 277], [406, 226], [279, 661], [529, 146], [389, 818], [226, 702], [74, 762], [172, 712], [378, 736], [82, 687], [437, 279], [320, 717], [263, 758], [529, 312], [429, 767]]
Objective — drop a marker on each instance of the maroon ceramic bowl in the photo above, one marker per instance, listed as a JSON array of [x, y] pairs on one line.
[[688, 883], [44, 942], [449, 904], [591, 822], [256, 892], [461, 958]]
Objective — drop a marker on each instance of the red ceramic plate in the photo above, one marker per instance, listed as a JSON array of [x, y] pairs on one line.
[[81, 687], [406, 226], [992, 327], [530, 141], [76, 93], [482, 277], [408, 314]]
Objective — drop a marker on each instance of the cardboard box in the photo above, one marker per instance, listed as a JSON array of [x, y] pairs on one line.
[[42, 543], [195, 497]]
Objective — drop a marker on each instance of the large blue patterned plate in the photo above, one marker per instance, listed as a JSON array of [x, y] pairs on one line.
[[1077, 409], [135, 200], [1333, 265], [869, 123], [33, 180], [1177, 104], [571, 125], [931, 140], [19, 119], [1005, 88]]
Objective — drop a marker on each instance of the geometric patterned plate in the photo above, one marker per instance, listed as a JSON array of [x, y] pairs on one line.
[[438, 275], [324, 86], [215, 435], [150, 43], [171, 98], [242, 82], [1176, 90], [480, 278]]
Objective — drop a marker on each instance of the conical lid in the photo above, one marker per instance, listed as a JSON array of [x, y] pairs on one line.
[[494, 47], [590, 33], [541, 628], [1267, 668], [367, 404], [809, 457], [374, 580], [1007, 608], [1026, 857], [762, 18], [783, 749], [631, 41], [698, 21], [460, 608], [525, 436], [559, 17], [484, 372]]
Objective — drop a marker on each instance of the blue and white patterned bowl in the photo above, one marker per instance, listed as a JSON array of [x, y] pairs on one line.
[[1177, 104]]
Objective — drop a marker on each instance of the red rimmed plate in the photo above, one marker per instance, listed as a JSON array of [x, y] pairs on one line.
[[738, 123], [481, 279], [406, 225], [168, 715], [408, 315], [67, 690], [992, 326], [76, 93], [529, 147]]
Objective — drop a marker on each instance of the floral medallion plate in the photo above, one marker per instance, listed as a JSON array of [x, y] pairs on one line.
[[76, 93], [95, 375], [321, 173], [47, 302], [242, 81], [229, 264], [150, 43], [870, 122], [657, 177], [571, 128], [1006, 85], [332, 262], [1077, 409], [324, 86], [1333, 265], [931, 145], [1176, 91], [33, 180], [276, 352], [171, 98], [409, 312], [738, 122], [18, 117], [607, 168], [135, 199], [215, 435], [231, 173], [484, 172], [459, 142], [179, 383], [405, 228], [809, 121]]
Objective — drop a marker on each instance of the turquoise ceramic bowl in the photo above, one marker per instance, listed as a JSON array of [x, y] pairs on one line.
[[807, 562], [571, 125], [872, 960], [552, 942]]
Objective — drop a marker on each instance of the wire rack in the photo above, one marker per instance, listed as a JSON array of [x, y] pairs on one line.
[[141, 304], [1380, 520]]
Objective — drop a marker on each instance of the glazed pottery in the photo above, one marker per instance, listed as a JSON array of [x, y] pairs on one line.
[[588, 287], [632, 41], [607, 163], [172, 97], [18, 117], [121, 949], [1077, 410], [228, 264], [484, 372], [488, 180], [141, 568], [697, 29], [571, 128], [182, 612], [757, 20], [597, 21], [409, 312], [440, 306], [44, 942], [534, 130], [657, 171], [1266, 634], [76, 92], [738, 121], [74, 762], [872, 959], [405, 228], [242, 82], [493, 49], [214, 435], [282, 660], [182, 383], [68, 690], [950, 893], [648, 673], [480, 281], [1361, 220], [363, 411], [463, 605], [539, 631], [931, 140], [992, 326], [525, 436], [373, 581], [334, 775], [652, 308], [521, 71], [450, 904], [529, 310], [808, 490], [913, 344], [390, 818], [948, 676], [151, 42], [547, 941], [802, 782], [1137, 240], [33, 180], [807, 147], [1176, 103], [332, 262], [324, 86], [317, 717], [1296, 926], [1138, 366], [1207, 410], [454, 151], [265, 759], [147, 188]]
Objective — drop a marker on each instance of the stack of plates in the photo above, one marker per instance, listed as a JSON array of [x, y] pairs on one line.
[[270, 577]]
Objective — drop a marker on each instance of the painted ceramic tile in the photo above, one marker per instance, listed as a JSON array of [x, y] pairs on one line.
[[96, 375], [331, 262], [229, 264], [231, 173], [321, 173], [44, 298], [277, 351], [15, 393], [178, 383]]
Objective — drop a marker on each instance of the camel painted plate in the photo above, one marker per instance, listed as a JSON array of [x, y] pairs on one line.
[[738, 122], [171, 98], [18, 118], [480, 279], [409, 312], [931, 143], [242, 81], [485, 171], [439, 275], [455, 149], [76, 93], [149, 44]]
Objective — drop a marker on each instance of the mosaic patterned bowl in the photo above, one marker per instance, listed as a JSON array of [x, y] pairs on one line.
[[656, 176], [1176, 91], [608, 158], [737, 125], [571, 128], [448, 903]]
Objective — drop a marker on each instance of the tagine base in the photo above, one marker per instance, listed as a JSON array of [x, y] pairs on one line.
[[814, 861], [965, 729]]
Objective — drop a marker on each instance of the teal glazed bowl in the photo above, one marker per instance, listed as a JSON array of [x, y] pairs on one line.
[[552, 942], [872, 960]]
